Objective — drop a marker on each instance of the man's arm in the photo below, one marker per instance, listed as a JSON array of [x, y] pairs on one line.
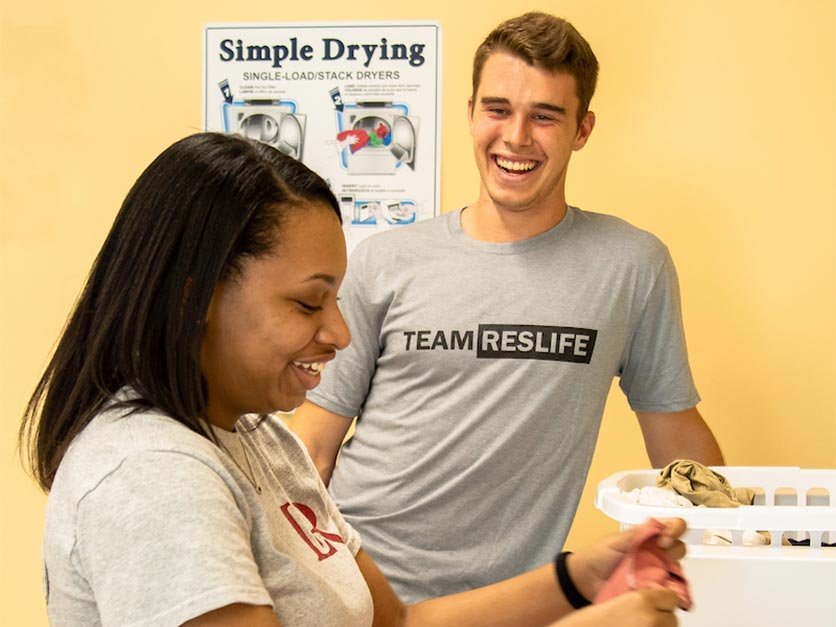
[[679, 435], [322, 432]]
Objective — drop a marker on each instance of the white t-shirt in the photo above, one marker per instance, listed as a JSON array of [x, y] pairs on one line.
[[149, 523]]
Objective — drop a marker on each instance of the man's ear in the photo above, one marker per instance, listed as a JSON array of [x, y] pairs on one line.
[[584, 131], [470, 114]]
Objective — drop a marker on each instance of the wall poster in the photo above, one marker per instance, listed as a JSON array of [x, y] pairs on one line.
[[359, 103]]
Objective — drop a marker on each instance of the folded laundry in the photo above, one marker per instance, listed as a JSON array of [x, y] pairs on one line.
[[807, 543], [646, 565], [723, 537], [702, 486], [660, 497]]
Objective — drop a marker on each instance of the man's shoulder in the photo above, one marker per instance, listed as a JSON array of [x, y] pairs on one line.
[[615, 232], [403, 247], [412, 235]]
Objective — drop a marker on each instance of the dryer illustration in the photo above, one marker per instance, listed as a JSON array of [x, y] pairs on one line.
[[372, 212], [376, 137], [399, 212], [273, 122]]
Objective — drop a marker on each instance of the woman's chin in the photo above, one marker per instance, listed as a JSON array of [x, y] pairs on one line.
[[289, 404]]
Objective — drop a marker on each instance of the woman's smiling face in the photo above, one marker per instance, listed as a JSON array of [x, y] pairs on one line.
[[271, 329]]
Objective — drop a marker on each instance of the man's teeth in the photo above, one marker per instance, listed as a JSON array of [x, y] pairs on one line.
[[312, 368], [516, 166]]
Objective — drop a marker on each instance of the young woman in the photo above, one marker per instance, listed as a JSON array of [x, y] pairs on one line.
[[174, 496]]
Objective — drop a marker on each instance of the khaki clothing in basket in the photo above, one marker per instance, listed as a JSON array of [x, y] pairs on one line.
[[702, 486]]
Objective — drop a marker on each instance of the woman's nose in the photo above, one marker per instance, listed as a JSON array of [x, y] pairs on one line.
[[334, 331]]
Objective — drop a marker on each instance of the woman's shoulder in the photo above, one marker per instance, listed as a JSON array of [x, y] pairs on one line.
[[119, 434], [270, 435]]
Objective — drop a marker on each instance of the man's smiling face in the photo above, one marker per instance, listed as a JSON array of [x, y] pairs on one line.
[[524, 127]]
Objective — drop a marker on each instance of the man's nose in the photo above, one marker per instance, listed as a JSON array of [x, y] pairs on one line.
[[517, 131]]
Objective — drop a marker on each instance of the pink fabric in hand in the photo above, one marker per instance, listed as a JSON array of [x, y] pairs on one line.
[[646, 565]]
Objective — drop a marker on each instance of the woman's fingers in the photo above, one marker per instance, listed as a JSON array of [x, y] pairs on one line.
[[672, 531]]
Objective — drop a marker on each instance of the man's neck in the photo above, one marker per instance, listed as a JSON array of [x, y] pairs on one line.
[[487, 222]]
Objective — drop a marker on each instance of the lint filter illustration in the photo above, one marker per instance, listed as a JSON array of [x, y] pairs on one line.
[[273, 122], [376, 137]]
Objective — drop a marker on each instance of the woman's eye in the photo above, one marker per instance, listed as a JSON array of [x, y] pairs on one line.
[[307, 307]]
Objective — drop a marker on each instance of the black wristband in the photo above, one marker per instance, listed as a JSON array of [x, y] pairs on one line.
[[572, 594]]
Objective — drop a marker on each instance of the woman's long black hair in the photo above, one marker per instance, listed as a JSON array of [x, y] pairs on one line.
[[204, 205]]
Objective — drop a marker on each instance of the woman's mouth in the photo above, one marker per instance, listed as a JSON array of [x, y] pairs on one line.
[[313, 368], [307, 373]]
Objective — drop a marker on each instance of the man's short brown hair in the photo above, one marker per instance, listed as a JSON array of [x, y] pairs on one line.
[[545, 41]]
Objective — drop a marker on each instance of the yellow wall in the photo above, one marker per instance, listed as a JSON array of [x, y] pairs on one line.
[[716, 130]]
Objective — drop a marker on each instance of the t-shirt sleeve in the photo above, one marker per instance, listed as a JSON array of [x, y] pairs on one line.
[[655, 374], [162, 539], [346, 380], [308, 472], [349, 535]]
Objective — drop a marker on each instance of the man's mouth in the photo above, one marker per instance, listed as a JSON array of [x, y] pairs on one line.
[[515, 167]]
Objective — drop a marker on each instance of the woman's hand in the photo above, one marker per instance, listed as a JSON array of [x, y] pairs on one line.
[[590, 567], [640, 608]]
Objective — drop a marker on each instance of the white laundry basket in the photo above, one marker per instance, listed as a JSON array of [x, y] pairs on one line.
[[737, 585]]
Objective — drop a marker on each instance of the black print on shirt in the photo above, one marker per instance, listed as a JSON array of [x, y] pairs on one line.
[[511, 341], [527, 341]]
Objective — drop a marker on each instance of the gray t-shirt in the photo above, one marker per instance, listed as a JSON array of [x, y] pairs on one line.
[[479, 372], [149, 523]]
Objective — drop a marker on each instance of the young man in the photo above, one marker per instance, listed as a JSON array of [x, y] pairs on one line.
[[485, 342]]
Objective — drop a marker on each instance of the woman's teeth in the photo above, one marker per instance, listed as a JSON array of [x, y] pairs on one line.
[[515, 166], [311, 368]]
